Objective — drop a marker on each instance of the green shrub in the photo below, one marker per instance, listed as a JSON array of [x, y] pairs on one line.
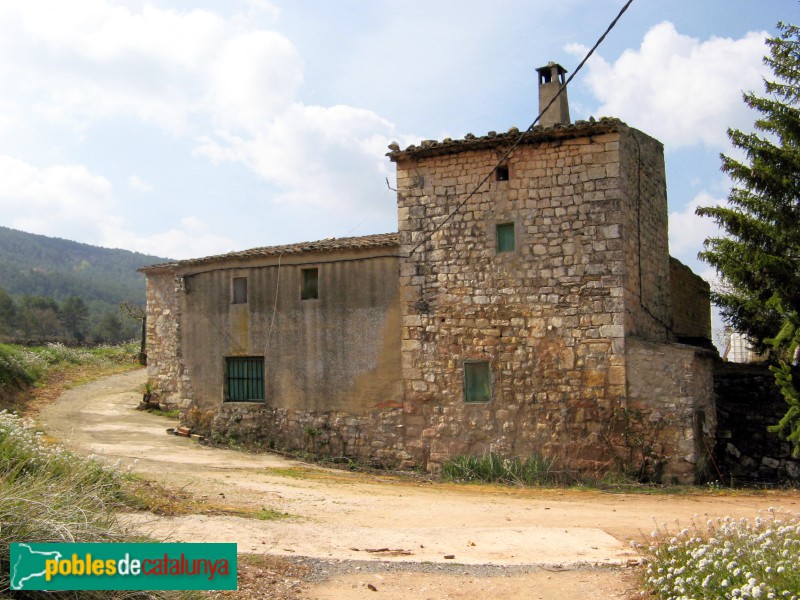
[[492, 468], [19, 367], [125, 353], [727, 558]]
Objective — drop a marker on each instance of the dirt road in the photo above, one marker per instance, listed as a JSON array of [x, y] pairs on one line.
[[406, 539]]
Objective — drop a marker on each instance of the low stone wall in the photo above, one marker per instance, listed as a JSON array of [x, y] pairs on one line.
[[376, 438], [747, 403]]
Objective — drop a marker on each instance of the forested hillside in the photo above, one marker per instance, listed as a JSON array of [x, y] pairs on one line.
[[52, 288]]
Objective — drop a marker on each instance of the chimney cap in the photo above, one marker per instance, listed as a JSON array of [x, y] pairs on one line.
[[549, 67]]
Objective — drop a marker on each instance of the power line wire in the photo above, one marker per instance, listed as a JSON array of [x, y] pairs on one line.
[[524, 133]]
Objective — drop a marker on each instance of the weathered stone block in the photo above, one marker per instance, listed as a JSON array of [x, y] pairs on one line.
[[594, 378]]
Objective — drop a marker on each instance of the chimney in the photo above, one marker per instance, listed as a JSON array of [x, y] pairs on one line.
[[551, 78]]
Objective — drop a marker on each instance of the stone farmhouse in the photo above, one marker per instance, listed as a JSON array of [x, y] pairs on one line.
[[540, 314]]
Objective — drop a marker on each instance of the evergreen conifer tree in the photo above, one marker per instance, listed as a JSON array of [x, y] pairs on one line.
[[759, 257]]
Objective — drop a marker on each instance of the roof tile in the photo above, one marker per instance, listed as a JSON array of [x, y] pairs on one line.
[[535, 135], [380, 240]]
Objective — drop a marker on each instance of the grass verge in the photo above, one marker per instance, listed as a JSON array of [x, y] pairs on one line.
[[33, 376], [48, 494]]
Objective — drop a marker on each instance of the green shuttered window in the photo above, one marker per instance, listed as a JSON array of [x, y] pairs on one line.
[[477, 382], [244, 379], [505, 237]]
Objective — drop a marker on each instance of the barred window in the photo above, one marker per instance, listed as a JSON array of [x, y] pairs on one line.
[[244, 379]]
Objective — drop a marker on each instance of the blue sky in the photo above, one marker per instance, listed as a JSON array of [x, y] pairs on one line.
[[183, 129]]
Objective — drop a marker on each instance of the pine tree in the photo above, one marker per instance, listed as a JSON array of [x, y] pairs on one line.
[[73, 315], [758, 259], [109, 329], [786, 345], [8, 313]]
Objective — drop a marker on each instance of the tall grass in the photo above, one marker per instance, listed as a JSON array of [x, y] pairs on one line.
[[19, 367], [48, 494], [725, 558], [492, 468], [24, 366]]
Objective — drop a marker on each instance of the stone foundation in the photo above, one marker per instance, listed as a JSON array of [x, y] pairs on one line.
[[376, 439]]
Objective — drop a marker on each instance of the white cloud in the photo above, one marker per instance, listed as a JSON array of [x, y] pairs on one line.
[[192, 238], [77, 62], [64, 200], [254, 77], [140, 185], [71, 202], [688, 231], [229, 84], [318, 156], [681, 90], [103, 32]]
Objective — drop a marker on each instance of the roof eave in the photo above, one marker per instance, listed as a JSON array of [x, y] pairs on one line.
[[537, 135], [327, 246]]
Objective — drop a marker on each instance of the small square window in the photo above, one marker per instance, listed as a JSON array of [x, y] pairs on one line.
[[501, 173], [505, 237], [244, 379], [240, 290], [477, 382], [310, 289]]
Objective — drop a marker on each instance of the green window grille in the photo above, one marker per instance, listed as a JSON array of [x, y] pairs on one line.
[[505, 237], [477, 382], [244, 379], [310, 290], [240, 290]]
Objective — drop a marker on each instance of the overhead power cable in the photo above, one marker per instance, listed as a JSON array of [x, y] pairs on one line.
[[524, 133]]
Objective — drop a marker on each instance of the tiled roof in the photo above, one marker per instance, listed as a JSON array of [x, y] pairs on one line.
[[381, 240], [493, 139]]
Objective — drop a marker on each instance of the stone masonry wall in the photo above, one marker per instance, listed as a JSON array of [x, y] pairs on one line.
[[548, 317], [747, 403], [691, 303], [642, 183], [165, 368], [376, 438], [670, 414]]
